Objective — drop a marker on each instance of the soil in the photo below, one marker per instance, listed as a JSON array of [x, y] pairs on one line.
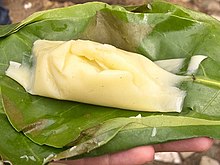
[[20, 9]]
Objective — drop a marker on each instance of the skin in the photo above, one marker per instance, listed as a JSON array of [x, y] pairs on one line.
[[143, 154]]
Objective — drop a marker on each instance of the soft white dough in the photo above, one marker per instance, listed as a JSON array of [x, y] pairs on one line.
[[100, 74]]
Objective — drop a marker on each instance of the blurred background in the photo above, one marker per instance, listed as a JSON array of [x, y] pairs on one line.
[[12, 11], [19, 9]]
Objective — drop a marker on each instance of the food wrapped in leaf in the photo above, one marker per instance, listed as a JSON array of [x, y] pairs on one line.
[[99, 74], [167, 34]]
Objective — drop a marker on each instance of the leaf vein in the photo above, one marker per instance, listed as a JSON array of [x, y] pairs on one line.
[[6, 57], [211, 101], [19, 38], [173, 43], [203, 70], [31, 150]]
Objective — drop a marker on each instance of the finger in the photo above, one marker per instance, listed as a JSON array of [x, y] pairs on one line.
[[187, 145], [135, 156]]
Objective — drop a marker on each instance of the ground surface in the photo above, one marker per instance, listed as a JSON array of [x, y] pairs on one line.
[[20, 9]]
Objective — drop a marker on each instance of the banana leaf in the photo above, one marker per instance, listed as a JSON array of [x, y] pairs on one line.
[[159, 31]]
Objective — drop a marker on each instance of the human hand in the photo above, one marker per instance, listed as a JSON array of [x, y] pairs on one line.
[[143, 154]]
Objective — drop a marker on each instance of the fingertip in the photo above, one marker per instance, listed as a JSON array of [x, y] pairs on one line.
[[203, 143], [188, 145]]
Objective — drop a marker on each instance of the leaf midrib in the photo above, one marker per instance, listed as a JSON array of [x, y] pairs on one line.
[[207, 81]]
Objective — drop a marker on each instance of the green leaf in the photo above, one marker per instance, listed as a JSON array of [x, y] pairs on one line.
[[73, 12], [124, 131], [52, 122], [18, 149], [164, 32]]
